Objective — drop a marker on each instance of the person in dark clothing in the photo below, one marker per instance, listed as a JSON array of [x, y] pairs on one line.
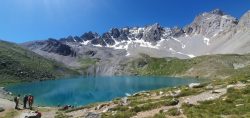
[[16, 100], [25, 100]]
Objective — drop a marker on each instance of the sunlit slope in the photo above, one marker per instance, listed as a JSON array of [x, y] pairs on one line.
[[18, 64]]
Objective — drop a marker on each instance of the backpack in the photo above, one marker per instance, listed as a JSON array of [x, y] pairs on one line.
[[30, 99], [15, 99]]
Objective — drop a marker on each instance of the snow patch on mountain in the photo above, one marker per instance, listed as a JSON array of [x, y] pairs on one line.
[[206, 41], [173, 51], [85, 42]]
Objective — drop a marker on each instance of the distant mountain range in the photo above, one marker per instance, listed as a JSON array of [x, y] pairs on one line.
[[213, 32]]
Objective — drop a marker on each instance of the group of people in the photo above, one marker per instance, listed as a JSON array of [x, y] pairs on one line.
[[26, 99]]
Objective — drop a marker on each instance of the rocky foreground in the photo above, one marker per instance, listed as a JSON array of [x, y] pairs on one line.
[[168, 102]]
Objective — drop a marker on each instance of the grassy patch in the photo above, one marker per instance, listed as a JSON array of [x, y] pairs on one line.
[[160, 115], [211, 66], [235, 103], [118, 114], [160, 66], [10, 114], [18, 64], [60, 114], [173, 112]]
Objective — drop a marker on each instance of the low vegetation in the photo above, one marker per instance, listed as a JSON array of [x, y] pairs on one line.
[[235, 103], [211, 66], [10, 114], [86, 63], [173, 112], [18, 64]]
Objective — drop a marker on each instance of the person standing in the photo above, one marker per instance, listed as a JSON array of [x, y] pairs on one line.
[[30, 100], [25, 100], [16, 100]]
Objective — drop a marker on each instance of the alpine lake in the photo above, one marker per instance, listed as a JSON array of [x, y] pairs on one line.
[[81, 90]]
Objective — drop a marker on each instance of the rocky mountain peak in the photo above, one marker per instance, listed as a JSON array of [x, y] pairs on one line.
[[209, 24], [89, 35], [56, 46], [217, 11], [153, 33], [212, 32], [244, 21]]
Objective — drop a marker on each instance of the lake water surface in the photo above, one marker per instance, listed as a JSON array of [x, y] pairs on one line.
[[85, 90]]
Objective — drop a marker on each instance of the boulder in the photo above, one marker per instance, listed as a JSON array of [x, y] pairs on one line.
[[1, 109], [175, 93], [124, 101], [209, 87], [194, 85], [230, 86]]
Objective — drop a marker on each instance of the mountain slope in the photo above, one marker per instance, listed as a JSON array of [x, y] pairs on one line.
[[18, 64], [210, 33], [209, 66]]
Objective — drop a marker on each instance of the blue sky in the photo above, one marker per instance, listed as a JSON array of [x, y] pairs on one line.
[[26, 20]]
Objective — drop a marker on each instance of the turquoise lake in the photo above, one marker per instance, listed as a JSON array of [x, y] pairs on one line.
[[85, 90]]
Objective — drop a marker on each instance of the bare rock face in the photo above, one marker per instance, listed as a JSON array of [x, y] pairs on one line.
[[89, 36], [211, 23], [55, 46], [177, 32], [108, 39], [245, 21], [152, 33]]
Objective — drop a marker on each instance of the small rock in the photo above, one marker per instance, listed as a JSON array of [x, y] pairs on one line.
[[1, 109], [175, 93], [210, 98], [230, 86], [239, 105], [193, 85], [216, 91], [124, 101], [160, 92], [100, 106], [10, 93], [209, 87], [105, 110]]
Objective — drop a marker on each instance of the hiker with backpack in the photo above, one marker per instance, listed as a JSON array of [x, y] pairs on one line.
[[30, 101], [16, 100]]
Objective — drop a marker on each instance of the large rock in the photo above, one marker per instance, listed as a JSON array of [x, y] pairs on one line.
[[194, 85]]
